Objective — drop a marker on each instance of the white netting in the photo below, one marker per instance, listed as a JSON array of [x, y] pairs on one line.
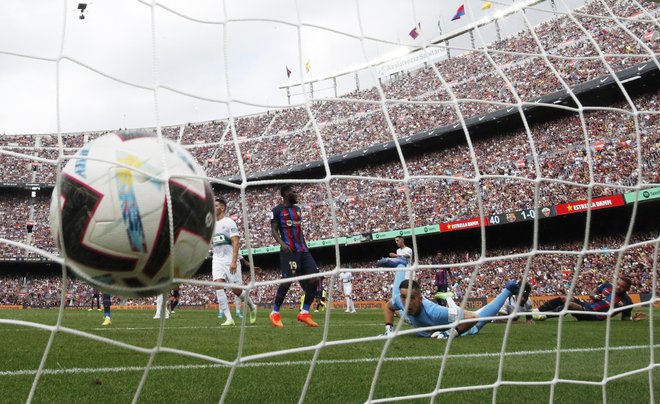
[[514, 59]]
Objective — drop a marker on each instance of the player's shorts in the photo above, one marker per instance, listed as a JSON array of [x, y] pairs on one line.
[[348, 288], [509, 308], [297, 263], [175, 293], [586, 317], [221, 271], [442, 288]]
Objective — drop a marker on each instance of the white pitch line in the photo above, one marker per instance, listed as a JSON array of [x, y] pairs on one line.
[[172, 328], [319, 362]]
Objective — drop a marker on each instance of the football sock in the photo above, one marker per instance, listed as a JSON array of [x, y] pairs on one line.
[[237, 304], [223, 303], [159, 304], [246, 297], [491, 309], [280, 295]]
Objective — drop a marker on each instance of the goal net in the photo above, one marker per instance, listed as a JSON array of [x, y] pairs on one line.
[[513, 140]]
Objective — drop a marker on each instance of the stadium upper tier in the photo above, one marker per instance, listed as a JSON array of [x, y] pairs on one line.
[[556, 155], [367, 200], [415, 101]]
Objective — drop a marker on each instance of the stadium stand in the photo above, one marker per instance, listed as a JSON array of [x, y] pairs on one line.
[[284, 138], [549, 273]]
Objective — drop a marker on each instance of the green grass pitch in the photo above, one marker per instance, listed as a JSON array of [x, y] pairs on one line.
[[81, 369]]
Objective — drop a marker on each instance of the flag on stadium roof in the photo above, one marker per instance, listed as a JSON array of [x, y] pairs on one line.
[[487, 5], [288, 72], [414, 33], [308, 66], [459, 13]]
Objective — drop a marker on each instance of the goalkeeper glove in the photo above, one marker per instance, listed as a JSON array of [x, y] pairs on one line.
[[446, 334]]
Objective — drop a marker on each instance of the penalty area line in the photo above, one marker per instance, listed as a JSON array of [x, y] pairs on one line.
[[30, 372]]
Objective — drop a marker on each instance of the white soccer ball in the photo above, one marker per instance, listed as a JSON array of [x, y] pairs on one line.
[[115, 220], [538, 316]]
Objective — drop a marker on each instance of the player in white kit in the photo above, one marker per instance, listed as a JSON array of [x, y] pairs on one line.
[[402, 256], [226, 263], [346, 278]]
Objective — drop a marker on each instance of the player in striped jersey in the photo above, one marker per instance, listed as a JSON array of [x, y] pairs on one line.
[[295, 258], [442, 281], [599, 302]]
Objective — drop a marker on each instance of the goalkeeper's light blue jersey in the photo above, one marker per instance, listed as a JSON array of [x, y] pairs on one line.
[[431, 314]]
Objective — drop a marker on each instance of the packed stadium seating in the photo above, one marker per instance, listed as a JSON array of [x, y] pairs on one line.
[[373, 204], [550, 274], [606, 155]]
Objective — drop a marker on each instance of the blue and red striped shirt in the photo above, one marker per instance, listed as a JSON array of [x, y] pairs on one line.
[[603, 298], [442, 277], [289, 222]]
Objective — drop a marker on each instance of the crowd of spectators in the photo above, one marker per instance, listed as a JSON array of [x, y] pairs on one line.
[[442, 183], [14, 215], [604, 149], [551, 272], [563, 52]]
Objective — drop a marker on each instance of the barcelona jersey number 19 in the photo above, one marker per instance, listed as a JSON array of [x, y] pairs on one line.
[[289, 220]]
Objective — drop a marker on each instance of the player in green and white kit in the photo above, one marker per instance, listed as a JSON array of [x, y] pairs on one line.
[[226, 262]]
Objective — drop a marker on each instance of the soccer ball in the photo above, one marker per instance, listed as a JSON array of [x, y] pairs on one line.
[[538, 316], [112, 211]]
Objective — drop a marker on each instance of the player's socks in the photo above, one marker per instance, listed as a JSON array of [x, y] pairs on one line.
[[238, 302], [224, 304], [399, 277], [250, 304], [159, 306], [173, 306], [280, 296], [246, 297], [491, 309]]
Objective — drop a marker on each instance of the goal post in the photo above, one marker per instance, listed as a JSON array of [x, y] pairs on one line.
[[502, 141]]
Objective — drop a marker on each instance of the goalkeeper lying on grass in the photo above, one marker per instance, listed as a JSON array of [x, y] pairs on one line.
[[425, 313]]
